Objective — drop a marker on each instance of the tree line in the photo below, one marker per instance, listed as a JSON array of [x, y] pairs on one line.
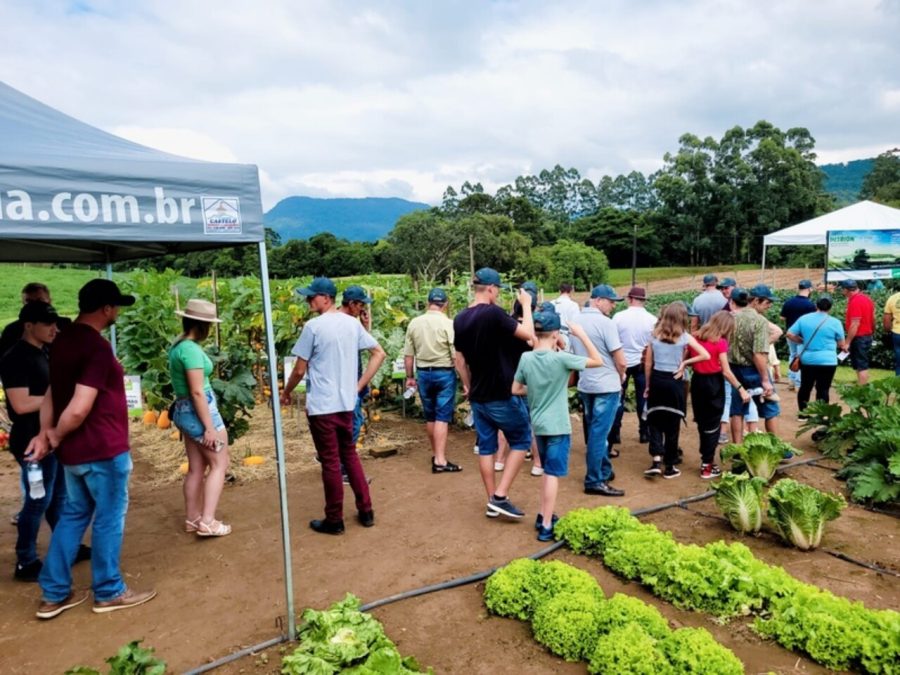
[[710, 204]]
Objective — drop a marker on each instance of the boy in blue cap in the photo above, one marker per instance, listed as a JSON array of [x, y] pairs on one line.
[[543, 375]]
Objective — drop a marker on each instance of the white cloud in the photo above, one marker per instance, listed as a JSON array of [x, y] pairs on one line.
[[401, 99]]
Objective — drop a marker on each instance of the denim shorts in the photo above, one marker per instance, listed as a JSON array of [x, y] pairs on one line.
[[185, 418], [509, 416], [859, 352], [554, 452], [437, 391], [749, 377]]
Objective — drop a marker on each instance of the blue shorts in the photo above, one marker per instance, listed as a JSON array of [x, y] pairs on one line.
[[749, 377], [554, 452], [437, 391], [509, 416], [185, 418], [859, 352]]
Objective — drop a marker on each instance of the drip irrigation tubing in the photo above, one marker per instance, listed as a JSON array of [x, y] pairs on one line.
[[471, 578]]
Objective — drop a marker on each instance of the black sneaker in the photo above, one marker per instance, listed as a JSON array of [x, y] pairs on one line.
[[327, 527], [366, 518], [654, 470], [539, 521], [84, 553], [671, 472], [504, 507], [644, 437], [28, 572], [680, 457]]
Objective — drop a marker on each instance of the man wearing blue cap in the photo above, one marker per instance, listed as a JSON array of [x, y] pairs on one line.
[[748, 357], [487, 353], [328, 349], [708, 302], [792, 310], [600, 389], [355, 302], [726, 286], [428, 357]]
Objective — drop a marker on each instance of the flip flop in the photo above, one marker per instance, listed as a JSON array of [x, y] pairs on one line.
[[613, 453]]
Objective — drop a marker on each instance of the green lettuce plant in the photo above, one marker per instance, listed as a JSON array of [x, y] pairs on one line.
[[760, 453], [740, 499], [798, 512]]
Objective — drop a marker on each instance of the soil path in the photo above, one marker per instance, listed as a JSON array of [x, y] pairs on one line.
[[216, 596]]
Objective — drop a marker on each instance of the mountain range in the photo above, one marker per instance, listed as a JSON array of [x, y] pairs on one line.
[[371, 218]]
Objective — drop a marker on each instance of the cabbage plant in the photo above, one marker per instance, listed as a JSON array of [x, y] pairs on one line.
[[740, 499], [761, 452], [798, 512]]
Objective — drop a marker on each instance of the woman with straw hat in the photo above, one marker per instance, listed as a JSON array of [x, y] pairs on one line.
[[197, 417]]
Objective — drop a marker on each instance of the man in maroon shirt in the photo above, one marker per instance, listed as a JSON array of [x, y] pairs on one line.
[[860, 325], [84, 418]]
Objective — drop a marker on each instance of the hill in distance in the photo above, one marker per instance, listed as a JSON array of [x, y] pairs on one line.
[[844, 181], [366, 219]]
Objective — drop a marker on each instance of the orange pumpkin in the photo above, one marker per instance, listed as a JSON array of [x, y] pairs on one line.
[[162, 421], [150, 417]]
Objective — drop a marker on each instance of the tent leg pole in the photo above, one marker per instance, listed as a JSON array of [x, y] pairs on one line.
[[112, 329], [279, 439], [762, 271]]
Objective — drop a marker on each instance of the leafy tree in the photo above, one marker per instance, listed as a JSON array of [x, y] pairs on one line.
[[612, 230], [567, 261], [882, 183], [423, 244]]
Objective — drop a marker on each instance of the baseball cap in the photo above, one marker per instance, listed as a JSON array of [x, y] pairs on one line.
[[548, 306], [488, 277], [356, 293], [437, 296], [319, 286], [98, 293], [762, 291], [546, 322], [710, 279], [740, 295], [637, 293], [727, 282], [38, 312], [849, 284], [804, 284], [530, 286], [605, 291]]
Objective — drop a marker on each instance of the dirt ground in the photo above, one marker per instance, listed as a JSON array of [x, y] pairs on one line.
[[217, 596]]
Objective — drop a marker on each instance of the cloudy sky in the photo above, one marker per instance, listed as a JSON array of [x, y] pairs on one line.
[[339, 98]]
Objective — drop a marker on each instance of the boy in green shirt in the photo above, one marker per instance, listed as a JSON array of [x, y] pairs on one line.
[[543, 375]]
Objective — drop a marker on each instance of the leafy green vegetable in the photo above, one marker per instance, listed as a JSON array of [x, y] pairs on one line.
[[629, 650], [507, 591], [799, 512], [568, 624], [761, 452], [131, 659], [586, 530], [342, 639], [740, 499], [622, 609], [693, 650]]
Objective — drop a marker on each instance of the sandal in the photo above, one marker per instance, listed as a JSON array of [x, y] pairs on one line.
[[613, 453], [191, 526], [216, 528]]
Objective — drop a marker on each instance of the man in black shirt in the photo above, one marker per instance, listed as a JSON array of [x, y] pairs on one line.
[[792, 310], [12, 332], [487, 342], [24, 370]]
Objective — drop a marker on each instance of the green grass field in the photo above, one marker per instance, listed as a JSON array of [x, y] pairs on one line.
[[622, 277], [63, 283], [846, 375]]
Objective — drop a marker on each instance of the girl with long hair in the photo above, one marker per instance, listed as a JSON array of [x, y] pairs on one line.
[[708, 387], [196, 415], [664, 363]]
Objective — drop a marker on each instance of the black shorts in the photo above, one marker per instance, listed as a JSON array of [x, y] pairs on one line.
[[859, 352]]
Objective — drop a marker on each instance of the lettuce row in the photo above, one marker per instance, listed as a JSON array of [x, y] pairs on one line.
[[727, 580], [341, 639], [624, 635]]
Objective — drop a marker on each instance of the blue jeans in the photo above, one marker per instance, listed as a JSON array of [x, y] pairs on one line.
[[640, 383], [749, 377], [98, 491], [793, 378], [599, 413], [437, 391], [896, 337], [35, 510], [358, 419]]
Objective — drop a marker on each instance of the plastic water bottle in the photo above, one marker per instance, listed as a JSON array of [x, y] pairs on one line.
[[756, 391], [409, 393], [35, 481]]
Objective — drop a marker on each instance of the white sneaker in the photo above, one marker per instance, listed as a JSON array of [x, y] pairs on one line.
[[498, 466], [537, 471], [475, 449]]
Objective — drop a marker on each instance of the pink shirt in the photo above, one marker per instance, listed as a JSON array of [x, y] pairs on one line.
[[715, 349]]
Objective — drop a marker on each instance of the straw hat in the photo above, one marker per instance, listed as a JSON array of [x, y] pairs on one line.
[[199, 310]]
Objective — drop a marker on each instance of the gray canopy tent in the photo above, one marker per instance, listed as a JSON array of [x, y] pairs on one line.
[[70, 192]]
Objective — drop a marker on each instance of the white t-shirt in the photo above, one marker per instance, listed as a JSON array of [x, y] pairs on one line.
[[331, 344], [635, 325], [567, 309]]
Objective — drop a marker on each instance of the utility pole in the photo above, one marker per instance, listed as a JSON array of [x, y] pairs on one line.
[[472, 255], [634, 255]]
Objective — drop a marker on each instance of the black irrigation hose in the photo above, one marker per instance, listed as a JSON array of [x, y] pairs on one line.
[[476, 577]]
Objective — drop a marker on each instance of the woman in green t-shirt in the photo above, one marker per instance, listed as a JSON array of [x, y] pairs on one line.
[[197, 417]]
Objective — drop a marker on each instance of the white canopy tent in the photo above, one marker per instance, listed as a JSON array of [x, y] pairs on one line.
[[864, 215], [70, 192]]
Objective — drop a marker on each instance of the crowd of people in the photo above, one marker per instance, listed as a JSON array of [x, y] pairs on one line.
[[66, 399]]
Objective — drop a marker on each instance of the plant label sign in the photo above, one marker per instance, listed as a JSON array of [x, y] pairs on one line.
[[133, 395], [289, 362]]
